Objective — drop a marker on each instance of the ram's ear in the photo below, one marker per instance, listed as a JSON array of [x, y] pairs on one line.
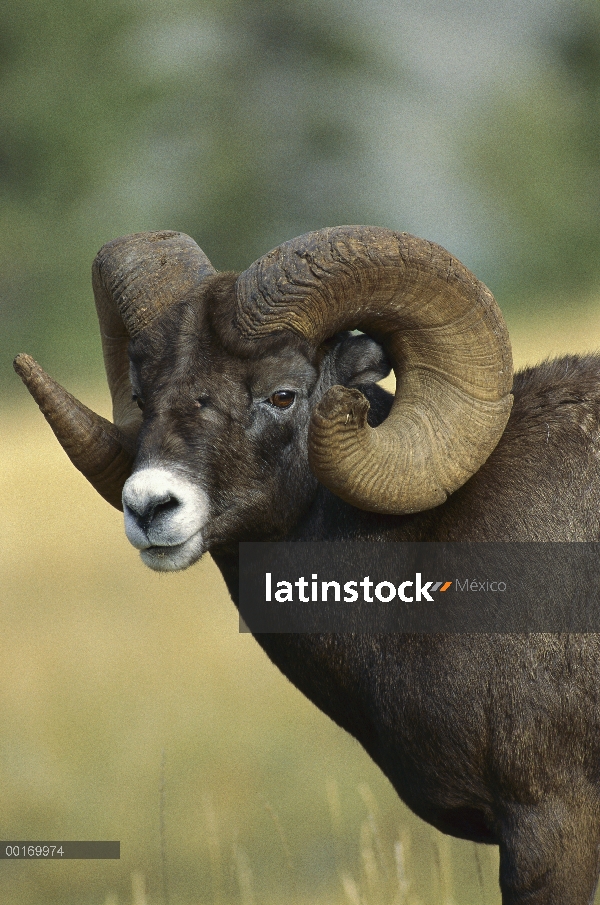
[[359, 360]]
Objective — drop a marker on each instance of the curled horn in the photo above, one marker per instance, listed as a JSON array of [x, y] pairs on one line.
[[443, 333], [135, 278]]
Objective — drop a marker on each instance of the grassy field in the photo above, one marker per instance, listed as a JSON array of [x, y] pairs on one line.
[[133, 709]]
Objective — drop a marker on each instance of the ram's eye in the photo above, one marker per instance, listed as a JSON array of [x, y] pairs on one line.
[[139, 400], [282, 399]]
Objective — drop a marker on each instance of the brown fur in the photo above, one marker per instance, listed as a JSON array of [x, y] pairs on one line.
[[494, 738]]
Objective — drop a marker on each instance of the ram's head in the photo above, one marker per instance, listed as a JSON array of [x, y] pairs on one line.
[[233, 394]]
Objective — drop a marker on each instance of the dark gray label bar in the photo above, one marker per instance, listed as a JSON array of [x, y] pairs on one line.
[[419, 587], [58, 851]]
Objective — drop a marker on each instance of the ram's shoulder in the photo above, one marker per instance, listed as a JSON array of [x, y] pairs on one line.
[[559, 391]]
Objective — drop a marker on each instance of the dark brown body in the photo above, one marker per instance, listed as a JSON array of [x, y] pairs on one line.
[[253, 396], [494, 738]]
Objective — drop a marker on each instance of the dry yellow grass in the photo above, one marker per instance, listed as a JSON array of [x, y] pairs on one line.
[[105, 665]]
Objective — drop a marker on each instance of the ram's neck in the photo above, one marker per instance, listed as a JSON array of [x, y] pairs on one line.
[[229, 567], [321, 666]]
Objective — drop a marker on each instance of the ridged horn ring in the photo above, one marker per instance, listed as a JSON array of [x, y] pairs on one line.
[[442, 330]]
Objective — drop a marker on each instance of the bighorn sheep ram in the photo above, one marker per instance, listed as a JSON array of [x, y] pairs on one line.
[[253, 428]]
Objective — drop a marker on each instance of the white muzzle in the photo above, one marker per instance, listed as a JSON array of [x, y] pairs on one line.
[[165, 514]]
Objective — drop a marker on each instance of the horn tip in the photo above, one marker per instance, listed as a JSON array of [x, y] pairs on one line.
[[24, 365]]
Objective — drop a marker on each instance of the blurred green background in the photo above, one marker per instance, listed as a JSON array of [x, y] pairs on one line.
[[131, 707], [248, 122]]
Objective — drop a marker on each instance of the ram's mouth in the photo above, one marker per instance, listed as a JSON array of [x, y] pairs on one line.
[[174, 558]]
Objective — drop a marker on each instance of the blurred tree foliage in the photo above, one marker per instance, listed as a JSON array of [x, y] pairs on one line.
[[534, 150], [245, 123], [242, 123]]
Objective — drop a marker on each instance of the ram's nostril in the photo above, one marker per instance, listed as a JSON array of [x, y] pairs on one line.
[[164, 508], [146, 509]]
